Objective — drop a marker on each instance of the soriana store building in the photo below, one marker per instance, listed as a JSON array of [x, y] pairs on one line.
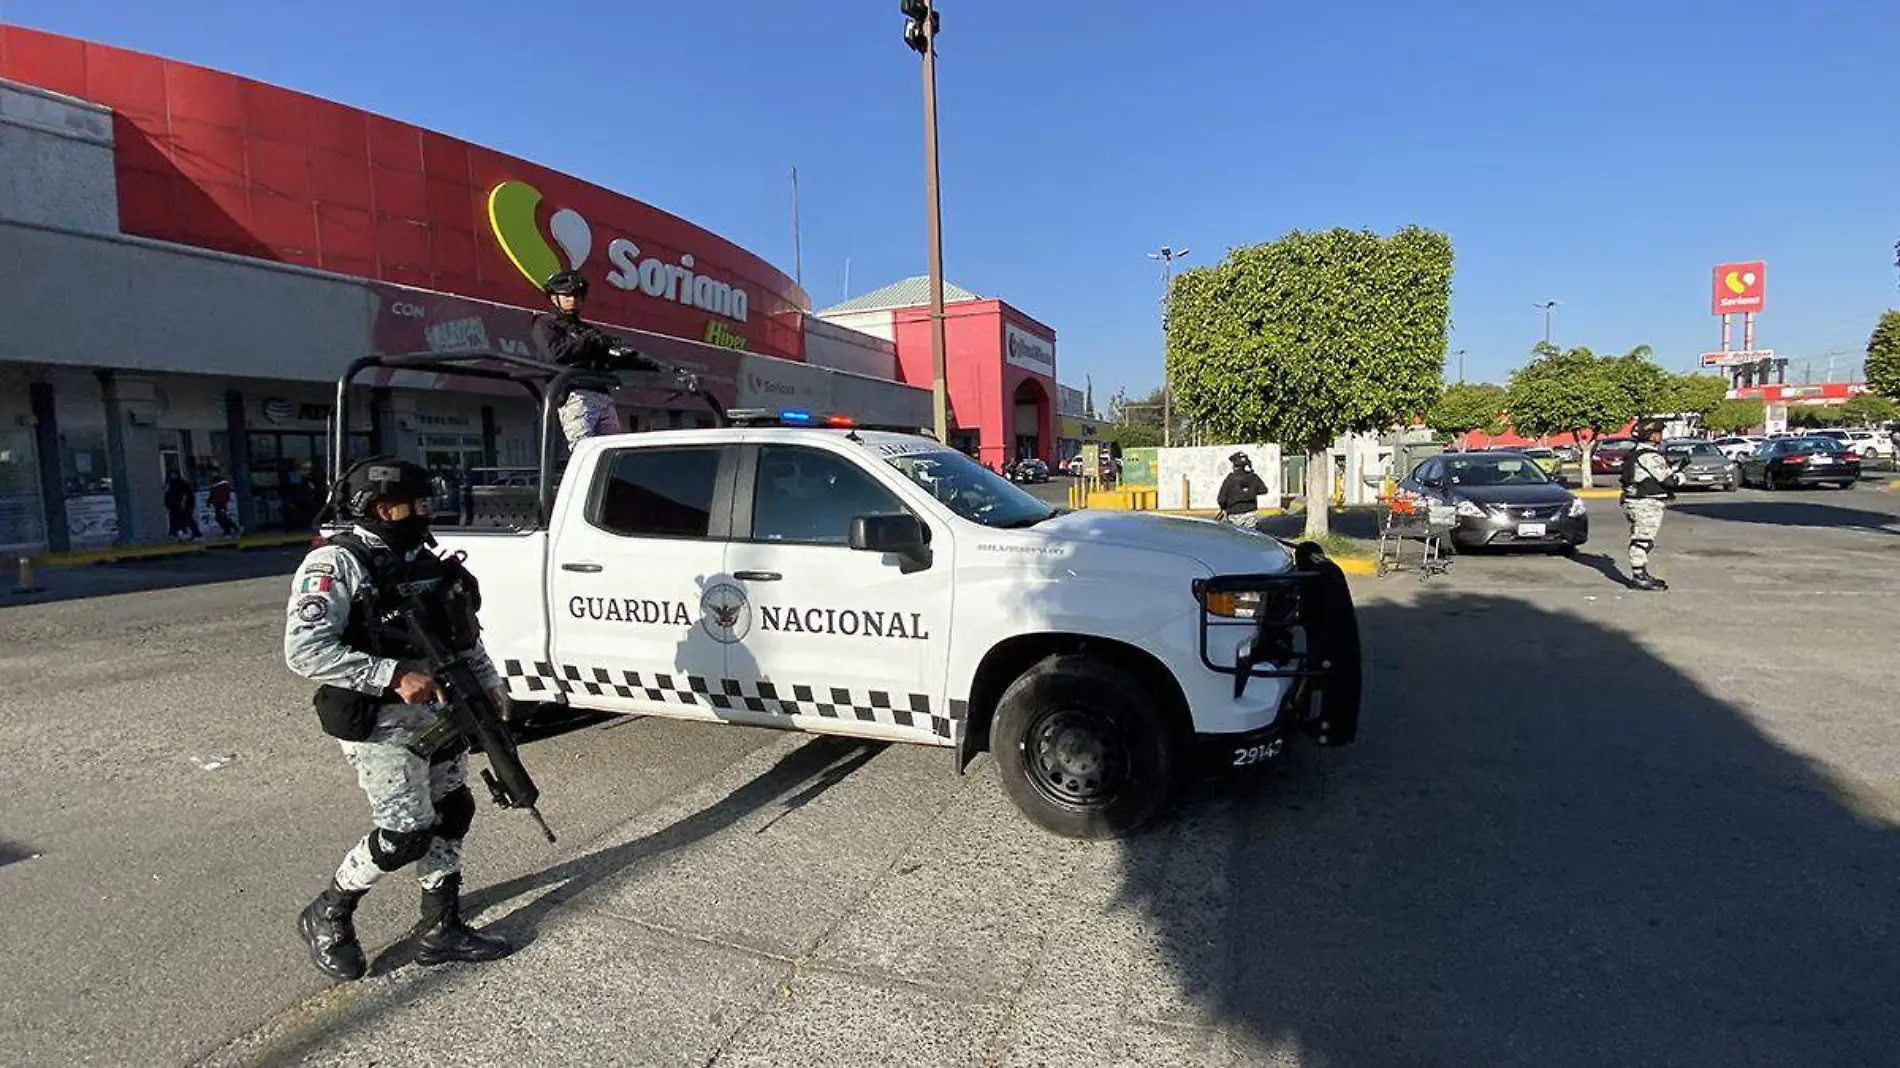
[[188, 260]]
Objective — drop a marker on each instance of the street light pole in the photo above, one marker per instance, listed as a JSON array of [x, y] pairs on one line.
[[920, 35], [1167, 256], [1461, 366], [1547, 306]]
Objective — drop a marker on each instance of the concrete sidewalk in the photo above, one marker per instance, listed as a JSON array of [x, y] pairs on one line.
[[74, 577]]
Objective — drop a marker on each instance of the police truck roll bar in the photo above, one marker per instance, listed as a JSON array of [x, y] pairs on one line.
[[548, 384]]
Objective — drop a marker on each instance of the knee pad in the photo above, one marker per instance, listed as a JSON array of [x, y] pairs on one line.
[[393, 849], [454, 812]]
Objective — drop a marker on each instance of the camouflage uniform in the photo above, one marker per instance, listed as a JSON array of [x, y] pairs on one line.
[[586, 413], [1647, 482], [404, 789]]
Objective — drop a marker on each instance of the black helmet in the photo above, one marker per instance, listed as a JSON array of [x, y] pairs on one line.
[[565, 283], [385, 477], [1240, 458]]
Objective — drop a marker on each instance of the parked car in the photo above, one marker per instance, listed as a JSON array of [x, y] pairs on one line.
[[1073, 468], [1029, 469], [1546, 459], [1866, 443], [1737, 446], [1608, 456], [1500, 499], [1783, 462], [1703, 465]]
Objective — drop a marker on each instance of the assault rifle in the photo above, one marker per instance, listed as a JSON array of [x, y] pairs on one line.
[[468, 713]]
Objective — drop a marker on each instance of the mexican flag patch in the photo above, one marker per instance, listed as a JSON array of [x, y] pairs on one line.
[[315, 584]]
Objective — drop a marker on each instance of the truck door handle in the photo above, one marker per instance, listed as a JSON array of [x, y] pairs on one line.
[[758, 576], [580, 567]]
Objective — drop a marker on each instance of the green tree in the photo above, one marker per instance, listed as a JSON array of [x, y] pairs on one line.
[[1868, 409], [1650, 389], [1133, 422], [1317, 334], [1466, 407], [1736, 416], [1576, 391], [1694, 394], [1810, 416], [1883, 356]]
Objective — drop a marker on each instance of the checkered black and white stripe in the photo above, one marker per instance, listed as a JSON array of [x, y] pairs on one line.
[[832, 702]]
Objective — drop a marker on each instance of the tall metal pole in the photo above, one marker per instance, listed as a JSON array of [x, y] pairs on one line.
[[1167, 255], [939, 400], [798, 262]]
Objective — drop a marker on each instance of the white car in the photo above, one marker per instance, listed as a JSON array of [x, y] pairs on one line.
[[1867, 443], [1737, 446], [883, 586]]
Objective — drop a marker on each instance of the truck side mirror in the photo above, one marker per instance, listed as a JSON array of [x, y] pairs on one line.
[[903, 534]]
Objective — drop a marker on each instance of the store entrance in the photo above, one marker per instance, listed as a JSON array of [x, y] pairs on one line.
[[290, 475]]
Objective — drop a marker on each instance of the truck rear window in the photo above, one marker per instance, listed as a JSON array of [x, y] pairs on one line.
[[665, 493]]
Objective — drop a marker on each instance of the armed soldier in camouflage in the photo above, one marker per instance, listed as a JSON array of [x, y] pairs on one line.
[[378, 707], [1649, 481]]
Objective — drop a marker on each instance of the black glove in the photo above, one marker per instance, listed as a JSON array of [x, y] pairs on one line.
[[632, 359]]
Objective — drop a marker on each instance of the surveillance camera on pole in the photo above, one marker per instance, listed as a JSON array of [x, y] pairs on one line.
[[917, 16]]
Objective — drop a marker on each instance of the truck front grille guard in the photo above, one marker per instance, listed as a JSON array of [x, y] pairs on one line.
[[1306, 630]]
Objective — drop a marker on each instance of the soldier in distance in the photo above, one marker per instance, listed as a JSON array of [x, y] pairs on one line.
[[563, 337]]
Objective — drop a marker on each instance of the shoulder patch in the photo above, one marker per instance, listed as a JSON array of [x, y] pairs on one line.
[[312, 608], [320, 567]]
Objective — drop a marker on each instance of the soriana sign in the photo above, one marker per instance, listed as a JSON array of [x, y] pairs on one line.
[[1738, 287]]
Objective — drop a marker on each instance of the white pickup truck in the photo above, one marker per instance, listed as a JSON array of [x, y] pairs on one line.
[[880, 585]]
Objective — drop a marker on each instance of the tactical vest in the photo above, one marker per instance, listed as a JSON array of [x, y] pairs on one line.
[[450, 600], [1637, 482]]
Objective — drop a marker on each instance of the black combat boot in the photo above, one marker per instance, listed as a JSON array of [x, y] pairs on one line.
[[326, 924], [443, 937], [1646, 581]]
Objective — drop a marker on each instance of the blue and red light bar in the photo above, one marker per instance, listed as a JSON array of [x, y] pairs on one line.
[[789, 417]]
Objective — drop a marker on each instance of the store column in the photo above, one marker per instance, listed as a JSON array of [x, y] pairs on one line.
[[237, 438], [52, 483], [132, 445]]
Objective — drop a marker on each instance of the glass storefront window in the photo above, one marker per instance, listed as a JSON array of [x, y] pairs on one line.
[[22, 522], [92, 515]]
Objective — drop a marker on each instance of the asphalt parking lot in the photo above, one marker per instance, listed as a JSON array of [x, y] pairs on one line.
[[1583, 825]]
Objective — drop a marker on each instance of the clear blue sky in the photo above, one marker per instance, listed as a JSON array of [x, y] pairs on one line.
[[1604, 155]]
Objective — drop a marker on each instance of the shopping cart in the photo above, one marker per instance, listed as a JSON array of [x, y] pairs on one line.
[[1412, 532]]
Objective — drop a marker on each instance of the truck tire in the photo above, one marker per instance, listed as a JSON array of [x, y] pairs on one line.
[[1083, 748]]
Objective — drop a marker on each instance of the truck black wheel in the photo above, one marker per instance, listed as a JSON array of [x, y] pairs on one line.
[[1084, 750]]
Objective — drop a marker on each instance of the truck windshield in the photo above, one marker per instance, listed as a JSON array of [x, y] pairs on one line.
[[971, 490]]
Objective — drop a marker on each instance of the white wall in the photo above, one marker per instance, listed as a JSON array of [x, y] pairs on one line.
[[843, 349], [1205, 468], [875, 323], [56, 161], [156, 307]]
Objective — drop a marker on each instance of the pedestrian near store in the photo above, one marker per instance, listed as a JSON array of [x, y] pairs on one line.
[[378, 703], [180, 502], [1649, 481], [219, 498], [565, 338], [1239, 496]]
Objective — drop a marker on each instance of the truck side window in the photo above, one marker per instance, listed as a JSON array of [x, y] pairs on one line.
[[660, 493], [809, 496]]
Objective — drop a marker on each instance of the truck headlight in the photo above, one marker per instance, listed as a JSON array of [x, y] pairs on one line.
[[1236, 604], [1279, 605], [1470, 509], [1576, 507]]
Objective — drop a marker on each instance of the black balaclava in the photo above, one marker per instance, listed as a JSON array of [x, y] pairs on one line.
[[403, 536]]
